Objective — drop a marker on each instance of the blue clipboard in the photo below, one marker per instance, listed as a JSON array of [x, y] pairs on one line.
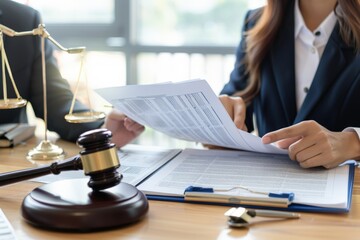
[[294, 207]]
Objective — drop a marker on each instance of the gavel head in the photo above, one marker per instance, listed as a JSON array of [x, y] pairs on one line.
[[99, 159]]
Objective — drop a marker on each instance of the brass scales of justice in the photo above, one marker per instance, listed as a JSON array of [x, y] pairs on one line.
[[45, 151], [72, 205]]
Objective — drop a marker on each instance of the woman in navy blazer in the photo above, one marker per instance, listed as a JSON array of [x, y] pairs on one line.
[[271, 62], [24, 57]]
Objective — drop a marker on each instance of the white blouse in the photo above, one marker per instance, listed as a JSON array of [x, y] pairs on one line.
[[309, 47]]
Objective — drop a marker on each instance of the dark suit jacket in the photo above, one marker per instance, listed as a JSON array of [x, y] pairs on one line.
[[24, 57], [334, 96]]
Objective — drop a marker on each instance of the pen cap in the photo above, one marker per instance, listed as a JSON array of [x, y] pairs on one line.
[[238, 215]]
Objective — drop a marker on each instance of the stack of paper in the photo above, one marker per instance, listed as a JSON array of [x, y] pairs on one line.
[[6, 230], [188, 110]]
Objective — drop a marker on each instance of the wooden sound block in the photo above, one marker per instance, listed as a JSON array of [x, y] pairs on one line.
[[70, 205]]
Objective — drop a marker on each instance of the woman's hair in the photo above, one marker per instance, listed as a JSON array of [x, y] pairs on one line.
[[348, 13], [262, 35]]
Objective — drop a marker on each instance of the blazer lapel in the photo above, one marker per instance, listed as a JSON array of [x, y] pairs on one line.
[[283, 62], [331, 65]]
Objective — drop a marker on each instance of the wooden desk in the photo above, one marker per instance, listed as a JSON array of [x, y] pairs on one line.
[[169, 220]]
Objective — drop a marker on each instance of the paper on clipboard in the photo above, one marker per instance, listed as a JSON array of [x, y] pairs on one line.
[[263, 172]]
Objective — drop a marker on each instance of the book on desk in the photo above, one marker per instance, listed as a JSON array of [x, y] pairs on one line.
[[190, 110], [12, 134]]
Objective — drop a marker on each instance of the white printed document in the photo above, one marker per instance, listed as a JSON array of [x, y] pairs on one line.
[[188, 110], [225, 170], [6, 230]]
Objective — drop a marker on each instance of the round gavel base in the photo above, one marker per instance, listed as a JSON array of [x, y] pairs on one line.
[[70, 205]]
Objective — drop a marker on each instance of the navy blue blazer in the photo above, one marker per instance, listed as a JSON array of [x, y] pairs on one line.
[[333, 99], [25, 61]]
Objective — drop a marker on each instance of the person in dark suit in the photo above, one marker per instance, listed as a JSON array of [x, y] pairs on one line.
[[24, 55], [297, 79]]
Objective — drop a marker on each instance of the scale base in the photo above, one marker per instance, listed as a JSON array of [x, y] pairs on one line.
[[70, 205], [45, 152]]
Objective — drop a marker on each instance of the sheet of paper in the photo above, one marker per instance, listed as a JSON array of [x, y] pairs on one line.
[[188, 110], [137, 163], [261, 172], [6, 230]]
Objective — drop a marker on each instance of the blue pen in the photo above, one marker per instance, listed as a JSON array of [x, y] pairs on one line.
[[290, 196]]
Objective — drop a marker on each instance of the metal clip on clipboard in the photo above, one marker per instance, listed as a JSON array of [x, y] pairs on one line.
[[202, 194]]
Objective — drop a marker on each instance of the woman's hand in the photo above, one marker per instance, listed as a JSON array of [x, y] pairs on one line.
[[124, 129], [236, 108], [313, 145]]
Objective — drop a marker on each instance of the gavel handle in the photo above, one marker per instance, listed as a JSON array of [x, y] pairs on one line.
[[73, 163]]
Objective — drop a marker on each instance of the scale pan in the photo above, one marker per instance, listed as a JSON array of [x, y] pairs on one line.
[[11, 103], [83, 117]]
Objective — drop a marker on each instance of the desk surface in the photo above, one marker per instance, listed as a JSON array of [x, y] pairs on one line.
[[170, 220]]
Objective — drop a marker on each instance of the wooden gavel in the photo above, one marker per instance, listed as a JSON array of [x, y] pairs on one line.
[[98, 159]]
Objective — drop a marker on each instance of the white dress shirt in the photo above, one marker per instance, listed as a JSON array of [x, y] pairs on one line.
[[309, 47]]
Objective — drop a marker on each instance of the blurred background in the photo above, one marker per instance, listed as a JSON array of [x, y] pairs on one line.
[[145, 41]]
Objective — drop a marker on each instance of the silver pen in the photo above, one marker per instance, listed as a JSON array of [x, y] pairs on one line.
[[274, 214], [241, 217]]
